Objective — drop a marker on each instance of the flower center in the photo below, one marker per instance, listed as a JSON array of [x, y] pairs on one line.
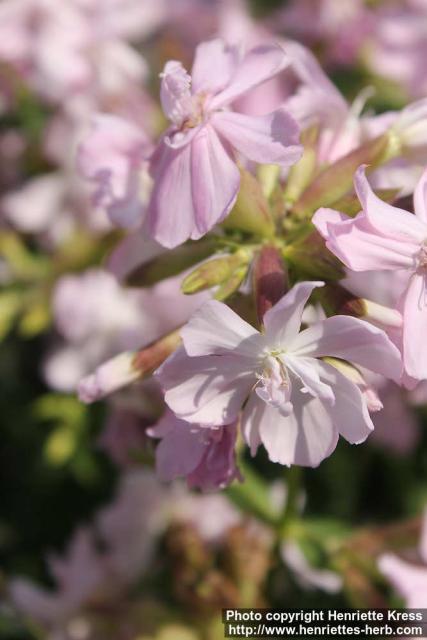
[[274, 385]]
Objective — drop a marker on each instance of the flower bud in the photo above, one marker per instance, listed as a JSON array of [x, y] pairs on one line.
[[270, 279], [334, 181], [312, 259], [337, 300], [171, 263], [126, 368], [268, 175], [251, 213], [216, 271], [301, 173]]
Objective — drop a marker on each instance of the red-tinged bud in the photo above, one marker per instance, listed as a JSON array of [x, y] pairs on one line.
[[270, 279], [126, 368]]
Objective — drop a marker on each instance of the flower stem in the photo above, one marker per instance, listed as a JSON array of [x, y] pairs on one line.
[[293, 485]]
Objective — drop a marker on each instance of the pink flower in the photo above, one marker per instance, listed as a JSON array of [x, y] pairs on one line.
[[203, 455], [194, 167], [383, 237], [112, 156], [409, 578], [297, 404]]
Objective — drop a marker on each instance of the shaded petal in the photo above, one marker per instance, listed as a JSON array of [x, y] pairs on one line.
[[180, 450], [387, 220], [420, 198], [258, 65], [359, 246], [349, 412], [353, 340], [216, 329], [268, 139], [282, 322], [171, 215], [306, 370], [305, 437], [414, 327], [250, 423], [215, 180], [209, 390]]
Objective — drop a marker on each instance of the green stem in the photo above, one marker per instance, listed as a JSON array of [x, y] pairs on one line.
[[293, 484]]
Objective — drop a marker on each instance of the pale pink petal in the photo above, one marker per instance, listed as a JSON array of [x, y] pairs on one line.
[[420, 198], [212, 67], [306, 371], [171, 215], [360, 247], [325, 216], [349, 412], [387, 220], [175, 95], [209, 390], [353, 340], [215, 181], [414, 327], [269, 139], [282, 322], [309, 71], [409, 580], [257, 66], [217, 329], [305, 437], [180, 450]]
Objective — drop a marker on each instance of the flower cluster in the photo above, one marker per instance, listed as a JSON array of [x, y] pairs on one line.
[[218, 224]]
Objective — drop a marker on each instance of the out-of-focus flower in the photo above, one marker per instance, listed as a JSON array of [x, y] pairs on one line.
[[338, 27], [397, 45], [113, 156], [205, 456], [307, 576], [76, 47], [88, 577], [194, 165], [384, 237], [298, 404], [98, 318], [409, 578]]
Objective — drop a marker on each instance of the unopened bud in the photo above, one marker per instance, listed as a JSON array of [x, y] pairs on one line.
[[232, 284], [126, 368], [268, 175], [251, 213], [270, 279], [372, 399], [334, 182], [381, 316], [337, 300], [310, 256], [215, 272], [301, 173]]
